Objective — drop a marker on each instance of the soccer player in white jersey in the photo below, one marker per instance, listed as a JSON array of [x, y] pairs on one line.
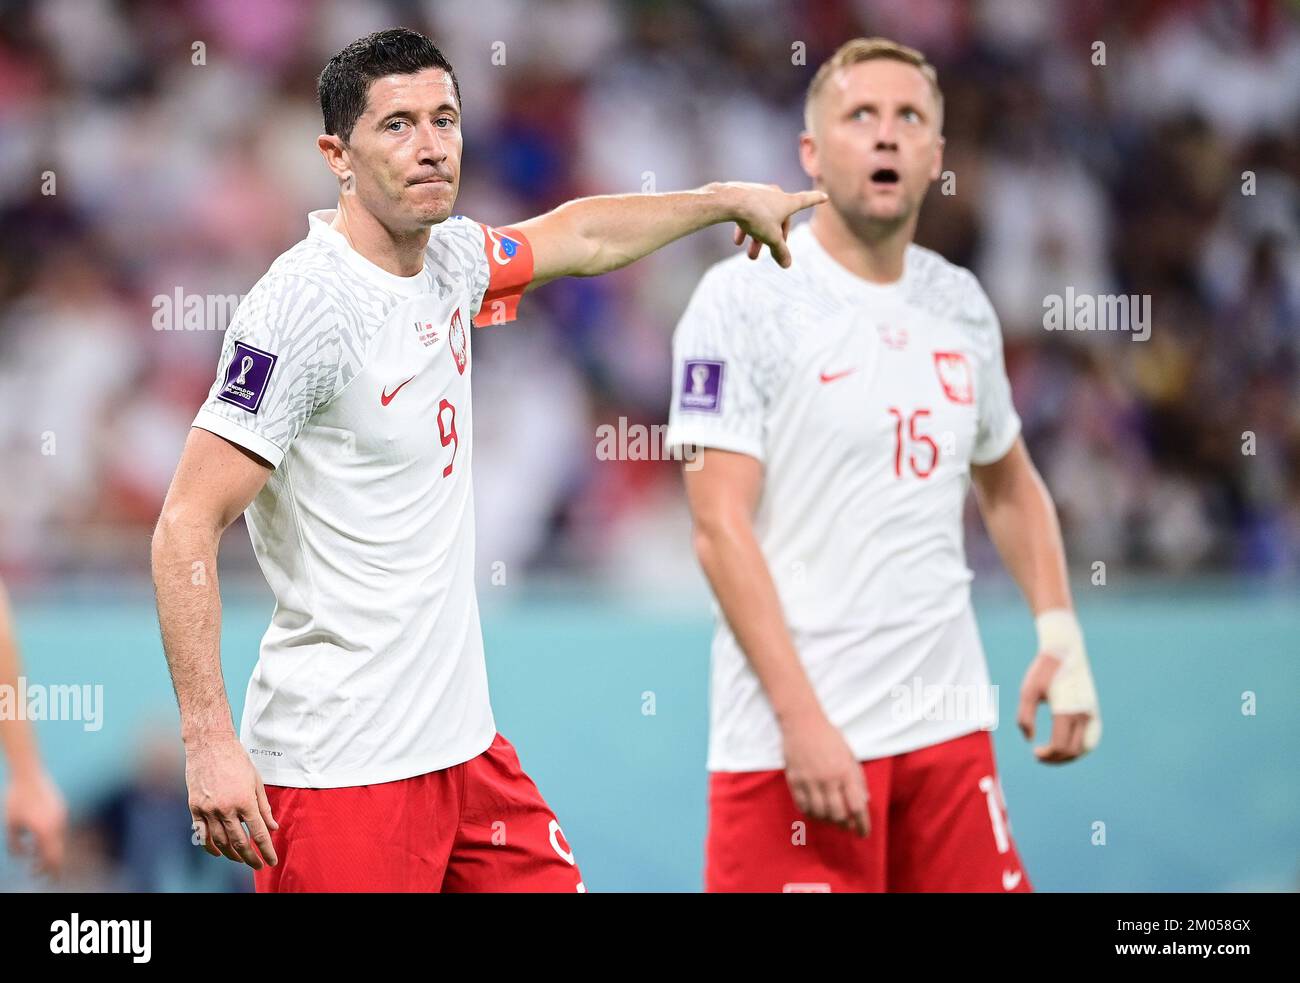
[[341, 421], [843, 408]]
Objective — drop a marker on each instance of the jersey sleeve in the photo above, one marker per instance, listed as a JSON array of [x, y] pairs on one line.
[[718, 399], [998, 424], [279, 364]]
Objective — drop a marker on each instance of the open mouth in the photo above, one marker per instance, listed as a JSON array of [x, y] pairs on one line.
[[884, 176]]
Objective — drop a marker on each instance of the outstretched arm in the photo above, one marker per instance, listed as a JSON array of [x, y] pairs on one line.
[[591, 236], [1021, 519]]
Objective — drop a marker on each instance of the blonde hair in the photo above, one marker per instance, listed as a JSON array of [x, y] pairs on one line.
[[871, 49]]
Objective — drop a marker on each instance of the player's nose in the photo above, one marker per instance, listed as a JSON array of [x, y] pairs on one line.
[[886, 132], [433, 144]]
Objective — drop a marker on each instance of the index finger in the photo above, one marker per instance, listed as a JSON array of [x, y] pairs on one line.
[[859, 817], [806, 199], [262, 837]]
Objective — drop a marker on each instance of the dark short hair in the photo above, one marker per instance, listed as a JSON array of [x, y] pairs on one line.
[[345, 80]]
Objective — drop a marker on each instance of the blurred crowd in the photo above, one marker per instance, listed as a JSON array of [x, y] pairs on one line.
[[151, 148]]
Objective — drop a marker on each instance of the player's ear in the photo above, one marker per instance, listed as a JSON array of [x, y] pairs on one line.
[[808, 155], [937, 168], [335, 152]]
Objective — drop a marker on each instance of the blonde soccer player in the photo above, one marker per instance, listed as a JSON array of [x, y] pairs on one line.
[[843, 409]]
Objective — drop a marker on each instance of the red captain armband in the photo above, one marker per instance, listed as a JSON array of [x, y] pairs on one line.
[[510, 269]]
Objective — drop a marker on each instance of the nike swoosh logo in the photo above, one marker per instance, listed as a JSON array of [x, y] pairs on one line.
[[1011, 880], [832, 376], [387, 397]]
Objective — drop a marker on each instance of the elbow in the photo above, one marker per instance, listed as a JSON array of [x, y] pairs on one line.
[[178, 525], [164, 534], [602, 258], [171, 520], [716, 532], [703, 544]]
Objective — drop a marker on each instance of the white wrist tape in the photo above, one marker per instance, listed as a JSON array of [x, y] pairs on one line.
[[1071, 689]]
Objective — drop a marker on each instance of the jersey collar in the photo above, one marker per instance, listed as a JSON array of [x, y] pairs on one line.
[[318, 227], [804, 245]]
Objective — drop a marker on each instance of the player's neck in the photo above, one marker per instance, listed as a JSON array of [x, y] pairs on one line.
[[874, 252], [401, 255]]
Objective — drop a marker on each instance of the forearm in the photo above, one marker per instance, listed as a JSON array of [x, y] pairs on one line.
[[189, 614], [1022, 522], [16, 735], [615, 230], [743, 585]]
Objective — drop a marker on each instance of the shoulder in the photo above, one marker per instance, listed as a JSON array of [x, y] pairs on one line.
[[456, 232], [745, 296], [458, 244], [718, 309], [952, 292], [747, 313], [309, 264], [307, 305], [312, 283]]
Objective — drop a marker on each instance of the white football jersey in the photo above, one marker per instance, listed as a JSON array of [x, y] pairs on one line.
[[354, 383], [866, 404]]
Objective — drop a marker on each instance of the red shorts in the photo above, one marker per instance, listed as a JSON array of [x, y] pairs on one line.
[[938, 823], [477, 826]]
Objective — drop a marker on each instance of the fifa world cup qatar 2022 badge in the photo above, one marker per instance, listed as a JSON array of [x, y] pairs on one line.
[[247, 376], [702, 386]]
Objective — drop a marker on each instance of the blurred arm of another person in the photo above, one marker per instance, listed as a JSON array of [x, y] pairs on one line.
[[1021, 519], [35, 817], [214, 483], [824, 776]]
